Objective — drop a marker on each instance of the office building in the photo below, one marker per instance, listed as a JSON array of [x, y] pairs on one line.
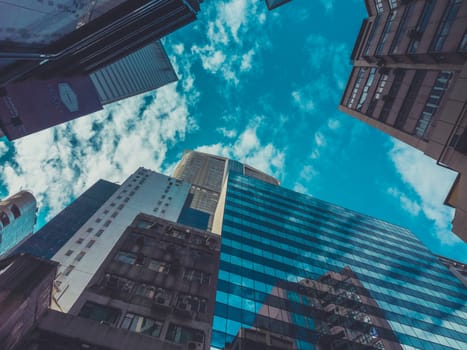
[[31, 106], [46, 40], [294, 273], [17, 220], [409, 79], [80, 257], [53, 235], [207, 174], [158, 280], [144, 70], [55, 71], [274, 238]]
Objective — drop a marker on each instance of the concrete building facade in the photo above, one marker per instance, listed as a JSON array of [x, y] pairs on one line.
[[409, 80], [17, 220]]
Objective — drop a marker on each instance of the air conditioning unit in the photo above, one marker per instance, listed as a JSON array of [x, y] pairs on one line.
[[193, 345]]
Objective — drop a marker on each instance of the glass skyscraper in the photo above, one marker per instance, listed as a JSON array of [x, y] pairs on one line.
[[299, 273]]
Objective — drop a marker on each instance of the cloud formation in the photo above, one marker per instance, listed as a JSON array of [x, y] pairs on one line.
[[59, 163], [430, 182]]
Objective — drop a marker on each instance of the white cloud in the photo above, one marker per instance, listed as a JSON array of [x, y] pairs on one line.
[[408, 204], [3, 148], [59, 163], [229, 133], [431, 183], [249, 149]]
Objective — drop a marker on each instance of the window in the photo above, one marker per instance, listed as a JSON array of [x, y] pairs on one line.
[[90, 243], [386, 30], [417, 33], [159, 266], [392, 4], [117, 283], [127, 258], [79, 240], [445, 25], [372, 35], [4, 219], [101, 313], [106, 211], [379, 6], [68, 270], [141, 324], [196, 275], [80, 256], [183, 335], [112, 204], [367, 86], [191, 303], [99, 233], [463, 44], [402, 29], [146, 291], [107, 223], [433, 102], [15, 210], [68, 253], [143, 224], [115, 213], [98, 220], [358, 81], [89, 230], [120, 207]]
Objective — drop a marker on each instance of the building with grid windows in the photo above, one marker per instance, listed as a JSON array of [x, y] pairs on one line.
[[17, 220], [410, 80], [274, 238]]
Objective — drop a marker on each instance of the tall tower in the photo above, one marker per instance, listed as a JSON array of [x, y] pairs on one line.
[[409, 80], [17, 219], [274, 239], [207, 174]]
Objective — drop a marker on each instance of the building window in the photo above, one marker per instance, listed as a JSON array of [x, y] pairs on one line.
[[103, 314], [68, 253], [184, 335], [409, 99], [125, 257], [402, 29], [79, 240], [89, 230], [145, 291], [433, 102], [98, 220], [15, 210], [4, 219], [117, 283], [106, 211], [90, 243], [379, 6], [112, 204], [368, 84], [463, 44], [126, 199], [107, 223], [141, 324], [99, 233], [392, 4], [356, 87], [143, 223], [445, 25], [191, 303], [196, 275], [386, 30], [372, 35], [390, 97], [159, 266], [120, 207], [80, 256], [417, 33], [68, 270], [115, 213]]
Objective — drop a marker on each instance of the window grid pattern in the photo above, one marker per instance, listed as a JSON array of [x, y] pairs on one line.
[[261, 250], [445, 25]]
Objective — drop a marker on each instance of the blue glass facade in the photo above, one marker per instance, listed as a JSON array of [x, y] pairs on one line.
[[50, 238], [275, 241]]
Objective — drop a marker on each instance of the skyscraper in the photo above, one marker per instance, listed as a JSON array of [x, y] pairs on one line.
[[17, 219], [272, 4], [99, 52], [275, 238], [46, 40], [294, 272], [207, 174], [409, 80]]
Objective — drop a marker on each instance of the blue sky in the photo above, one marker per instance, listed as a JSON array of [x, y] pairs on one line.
[[261, 87]]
